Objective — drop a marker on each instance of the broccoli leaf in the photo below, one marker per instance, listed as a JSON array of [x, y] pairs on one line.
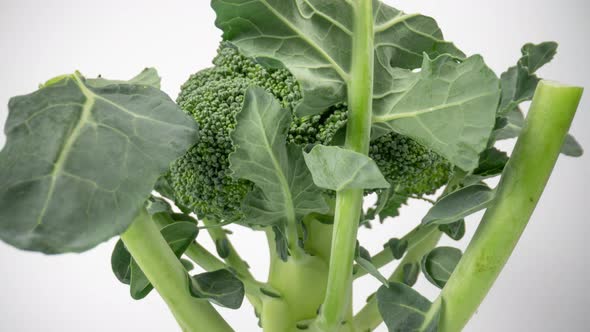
[[371, 269], [518, 86], [571, 147], [404, 309], [81, 158], [519, 82], [155, 205], [514, 125], [491, 163], [179, 236], [438, 265], [121, 263], [536, 56], [221, 287], [511, 127], [448, 107], [188, 265], [148, 76], [313, 40], [388, 204], [455, 230], [363, 259], [411, 273], [398, 247], [285, 189], [459, 204], [281, 244], [336, 169]]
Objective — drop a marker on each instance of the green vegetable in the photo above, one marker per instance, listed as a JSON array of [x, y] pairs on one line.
[[50, 182], [310, 106], [201, 179], [438, 265]]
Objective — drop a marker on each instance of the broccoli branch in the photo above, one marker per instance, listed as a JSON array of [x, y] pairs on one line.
[[165, 272], [425, 238], [518, 192]]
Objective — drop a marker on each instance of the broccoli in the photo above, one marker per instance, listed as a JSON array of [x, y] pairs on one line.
[[214, 96], [410, 167]]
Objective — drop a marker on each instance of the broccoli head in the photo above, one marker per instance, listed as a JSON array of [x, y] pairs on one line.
[[214, 96], [411, 168]]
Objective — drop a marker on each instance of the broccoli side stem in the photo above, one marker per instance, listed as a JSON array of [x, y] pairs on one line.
[[368, 318], [384, 257], [337, 305], [165, 272], [236, 262], [421, 240], [301, 284], [233, 259], [518, 192], [209, 262]]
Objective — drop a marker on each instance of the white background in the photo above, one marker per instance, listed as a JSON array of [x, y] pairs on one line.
[[544, 285]]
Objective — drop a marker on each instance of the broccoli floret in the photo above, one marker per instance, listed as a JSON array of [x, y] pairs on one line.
[[200, 178], [214, 96], [408, 166]]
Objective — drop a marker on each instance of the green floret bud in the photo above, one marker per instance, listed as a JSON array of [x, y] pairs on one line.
[[201, 178], [408, 166]]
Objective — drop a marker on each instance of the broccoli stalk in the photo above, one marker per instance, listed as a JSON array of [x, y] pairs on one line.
[[337, 305], [166, 273], [519, 190], [309, 106], [201, 179]]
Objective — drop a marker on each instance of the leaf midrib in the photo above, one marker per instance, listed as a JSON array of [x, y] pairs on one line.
[[341, 72], [416, 113], [67, 147], [290, 209]]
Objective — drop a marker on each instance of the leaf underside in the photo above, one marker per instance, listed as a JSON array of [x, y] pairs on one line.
[[336, 169], [459, 204], [447, 106], [220, 287], [439, 264], [404, 309], [80, 159], [313, 40]]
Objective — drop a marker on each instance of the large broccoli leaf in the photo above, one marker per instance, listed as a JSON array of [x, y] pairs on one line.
[[447, 106], [82, 156], [313, 39], [285, 189]]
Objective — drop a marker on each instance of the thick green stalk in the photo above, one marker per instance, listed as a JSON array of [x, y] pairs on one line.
[[349, 202], [518, 192], [420, 244], [155, 258], [300, 285], [198, 254]]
